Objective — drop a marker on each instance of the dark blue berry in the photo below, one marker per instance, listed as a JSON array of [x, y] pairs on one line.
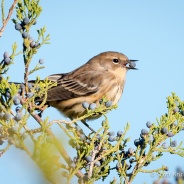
[[164, 130], [111, 133], [30, 94], [16, 100], [26, 20], [85, 105], [25, 35], [41, 61], [136, 142], [89, 158], [108, 104], [173, 143], [111, 139], [6, 55], [18, 27], [7, 61], [132, 65], [92, 106], [170, 134], [130, 150], [32, 44], [144, 132], [148, 124], [98, 164], [119, 133], [164, 145], [18, 116], [175, 109], [82, 137]]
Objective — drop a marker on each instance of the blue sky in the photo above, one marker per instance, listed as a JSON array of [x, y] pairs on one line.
[[150, 31]]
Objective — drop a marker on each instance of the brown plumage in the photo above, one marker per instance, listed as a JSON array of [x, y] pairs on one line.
[[103, 75]]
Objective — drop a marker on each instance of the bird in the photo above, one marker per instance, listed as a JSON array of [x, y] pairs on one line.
[[102, 76]]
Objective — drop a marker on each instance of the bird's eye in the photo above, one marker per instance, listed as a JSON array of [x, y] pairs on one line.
[[115, 61]]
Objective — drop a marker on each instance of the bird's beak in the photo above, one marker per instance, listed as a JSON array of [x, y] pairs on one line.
[[131, 64]]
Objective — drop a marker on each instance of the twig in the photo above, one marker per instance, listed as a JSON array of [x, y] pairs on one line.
[[8, 17]]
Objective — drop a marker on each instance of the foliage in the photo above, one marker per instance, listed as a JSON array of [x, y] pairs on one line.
[[97, 153]]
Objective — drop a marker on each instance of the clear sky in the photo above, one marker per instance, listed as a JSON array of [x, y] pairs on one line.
[[150, 31]]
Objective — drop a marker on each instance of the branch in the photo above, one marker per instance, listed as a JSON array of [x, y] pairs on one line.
[[8, 17]]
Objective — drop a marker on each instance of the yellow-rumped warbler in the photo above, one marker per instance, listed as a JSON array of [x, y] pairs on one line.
[[103, 75]]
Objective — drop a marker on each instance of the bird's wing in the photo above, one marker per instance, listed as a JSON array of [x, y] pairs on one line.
[[71, 86]]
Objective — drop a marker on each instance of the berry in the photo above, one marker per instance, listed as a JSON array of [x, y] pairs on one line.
[[18, 116], [98, 164], [111, 133], [170, 134], [25, 35], [85, 105], [30, 94], [100, 101], [7, 94], [30, 86], [7, 116], [17, 109], [148, 124], [130, 150], [72, 165], [6, 55], [37, 44], [144, 132], [132, 65], [142, 141], [136, 142], [92, 106], [175, 109], [16, 100], [108, 104], [164, 145], [18, 27], [111, 139], [119, 133], [22, 86], [98, 137], [89, 158], [26, 20], [173, 143], [7, 61], [164, 130], [32, 44], [41, 61], [82, 137], [166, 168]]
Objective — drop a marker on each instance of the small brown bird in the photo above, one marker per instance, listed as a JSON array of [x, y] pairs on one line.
[[103, 75]]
